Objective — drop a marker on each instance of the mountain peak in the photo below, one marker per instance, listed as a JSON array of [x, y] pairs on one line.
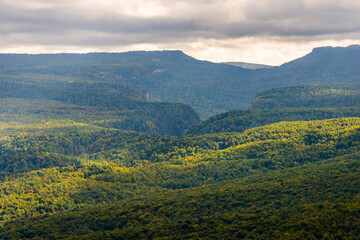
[[326, 48]]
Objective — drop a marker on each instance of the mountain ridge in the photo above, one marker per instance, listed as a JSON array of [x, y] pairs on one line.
[[173, 76]]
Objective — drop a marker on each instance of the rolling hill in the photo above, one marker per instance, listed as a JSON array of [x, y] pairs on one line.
[[313, 96], [241, 120], [285, 180], [296, 103]]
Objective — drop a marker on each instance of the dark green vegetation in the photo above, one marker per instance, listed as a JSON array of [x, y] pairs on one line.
[[290, 180], [240, 120], [297, 103], [315, 96], [172, 76], [169, 76], [155, 118], [111, 105]]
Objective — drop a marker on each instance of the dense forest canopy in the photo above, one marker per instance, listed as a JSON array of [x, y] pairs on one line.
[[303, 102], [179, 183], [309, 96], [241, 120]]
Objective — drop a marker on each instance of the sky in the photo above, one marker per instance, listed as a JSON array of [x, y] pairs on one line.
[[262, 31]]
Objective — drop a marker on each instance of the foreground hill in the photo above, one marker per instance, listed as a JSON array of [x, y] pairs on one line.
[[286, 180], [172, 76], [310, 202]]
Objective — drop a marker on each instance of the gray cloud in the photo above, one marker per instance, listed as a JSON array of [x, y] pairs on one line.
[[98, 23]]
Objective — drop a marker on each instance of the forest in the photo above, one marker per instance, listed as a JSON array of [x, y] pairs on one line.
[[296, 103], [92, 146], [182, 187], [308, 96]]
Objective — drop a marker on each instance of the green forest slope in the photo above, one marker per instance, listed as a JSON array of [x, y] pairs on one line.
[[58, 182], [309, 202], [313, 96], [240, 120], [106, 110], [296, 103]]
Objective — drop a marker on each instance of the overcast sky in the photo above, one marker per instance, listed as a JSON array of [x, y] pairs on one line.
[[259, 31]]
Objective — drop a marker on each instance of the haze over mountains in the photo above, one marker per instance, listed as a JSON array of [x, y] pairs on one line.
[[248, 65]]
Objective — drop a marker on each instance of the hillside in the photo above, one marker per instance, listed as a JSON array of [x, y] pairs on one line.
[[296, 103], [313, 96], [273, 181], [241, 120], [172, 76], [113, 105], [329, 206], [326, 65]]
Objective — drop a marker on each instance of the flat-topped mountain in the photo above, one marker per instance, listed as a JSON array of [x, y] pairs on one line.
[[326, 65]]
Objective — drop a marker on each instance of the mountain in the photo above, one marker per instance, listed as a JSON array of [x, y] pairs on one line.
[[168, 76], [70, 82], [326, 65], [86, 151], [172, 76]]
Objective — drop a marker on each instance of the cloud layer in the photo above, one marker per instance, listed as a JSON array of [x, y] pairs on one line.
[[220, 28]]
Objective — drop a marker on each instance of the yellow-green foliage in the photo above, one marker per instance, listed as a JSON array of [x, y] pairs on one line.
[[83, 166]]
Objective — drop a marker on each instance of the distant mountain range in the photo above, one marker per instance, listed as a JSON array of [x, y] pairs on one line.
[[172, 76], [78, 92]]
